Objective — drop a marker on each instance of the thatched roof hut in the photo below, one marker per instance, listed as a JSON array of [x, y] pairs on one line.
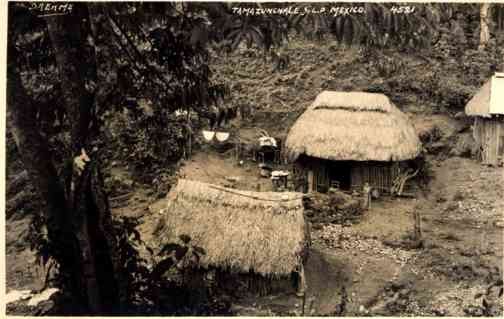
[[489, 100], [241, 231], [354, 126], [487, 106]]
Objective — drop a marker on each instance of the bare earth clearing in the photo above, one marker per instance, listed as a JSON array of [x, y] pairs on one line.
[[463, 246]]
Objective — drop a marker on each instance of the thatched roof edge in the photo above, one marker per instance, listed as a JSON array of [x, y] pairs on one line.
[[243, 231], [479, 104], [359, 133]]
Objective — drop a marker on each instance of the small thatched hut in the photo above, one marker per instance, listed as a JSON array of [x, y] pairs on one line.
[[253, 239], [487, 107], [348, 139]]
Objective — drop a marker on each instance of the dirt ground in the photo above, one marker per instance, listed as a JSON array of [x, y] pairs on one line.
[[462, 254]]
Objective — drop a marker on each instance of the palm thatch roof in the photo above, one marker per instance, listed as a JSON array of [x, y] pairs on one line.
[[241, 231], [489, 99], [355, 126]]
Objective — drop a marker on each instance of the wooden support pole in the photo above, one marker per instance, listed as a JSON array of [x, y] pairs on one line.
[[418, 227], [301, 282]]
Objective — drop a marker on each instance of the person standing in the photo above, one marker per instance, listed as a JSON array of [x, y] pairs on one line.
[[367, 196]]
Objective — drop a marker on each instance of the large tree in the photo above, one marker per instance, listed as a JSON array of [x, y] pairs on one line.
[[78, 216], [102, 54]]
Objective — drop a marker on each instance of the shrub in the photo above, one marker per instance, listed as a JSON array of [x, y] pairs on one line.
[[148, 141]]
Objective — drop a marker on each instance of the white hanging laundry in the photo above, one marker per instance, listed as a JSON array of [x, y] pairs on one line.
[[208, 135], [181, 113], [222, 136]]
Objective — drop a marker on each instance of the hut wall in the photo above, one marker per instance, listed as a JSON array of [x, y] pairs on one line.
[[320, 176], [377, 175], [316, 172], [311, 181], [380, 175], [300, 177], [240, 284], [501, 137], [488, 133], [478, 131]]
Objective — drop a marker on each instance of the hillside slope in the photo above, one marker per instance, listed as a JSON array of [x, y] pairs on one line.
[[428, 81]]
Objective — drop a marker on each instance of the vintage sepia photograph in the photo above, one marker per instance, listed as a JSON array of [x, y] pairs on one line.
[[254, 159]]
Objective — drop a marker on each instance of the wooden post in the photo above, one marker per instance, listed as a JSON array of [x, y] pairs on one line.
[[237, 152], [367, 196], [301, 282], [274, 182], [189, 133], [301, 287], [418, 227], [310, 181], [303, 305]]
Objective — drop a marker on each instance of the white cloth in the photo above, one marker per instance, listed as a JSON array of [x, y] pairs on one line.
[[277, 174], [221, 136], [208, 135], [267, 141]]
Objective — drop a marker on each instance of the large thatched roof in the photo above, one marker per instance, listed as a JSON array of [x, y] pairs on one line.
[[241, 231], [354, 126], [489, 99]]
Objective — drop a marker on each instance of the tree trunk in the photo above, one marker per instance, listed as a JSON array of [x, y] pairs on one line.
[[79, 223], [85, 190], [484, 25], [37, 159]]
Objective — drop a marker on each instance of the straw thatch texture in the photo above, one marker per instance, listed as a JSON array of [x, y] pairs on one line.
[[479, 104], [353, 126], [353, 101], [241, 231]]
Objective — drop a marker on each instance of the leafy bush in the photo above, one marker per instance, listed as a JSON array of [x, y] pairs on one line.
[[444, 80], [154, 286], [148, 140]]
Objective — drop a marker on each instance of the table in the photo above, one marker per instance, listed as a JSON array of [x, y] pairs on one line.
[[279, 179]]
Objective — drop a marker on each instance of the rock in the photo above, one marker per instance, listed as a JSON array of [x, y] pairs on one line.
[[402, 302], [458, 196], [15, 295], [232, 179], [464, 146], [499, 224], [404, 292], [459, 115], [42, 296]]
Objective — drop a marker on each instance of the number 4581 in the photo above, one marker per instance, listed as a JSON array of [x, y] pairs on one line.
[[402, 9]]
